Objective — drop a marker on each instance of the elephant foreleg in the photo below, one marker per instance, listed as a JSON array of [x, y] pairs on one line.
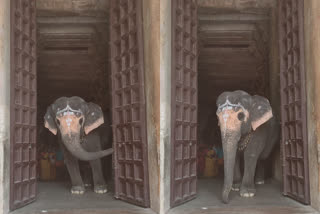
[[74, 172], [247, 187], [93, 144], [98, 179], [259, 178]]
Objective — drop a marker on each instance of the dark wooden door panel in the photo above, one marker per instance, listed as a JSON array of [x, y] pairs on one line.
[[128, 102], [23, 103], [293, 101], [184, 101]]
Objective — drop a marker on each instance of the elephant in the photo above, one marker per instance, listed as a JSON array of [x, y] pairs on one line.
[[250, 130], [76, 123]]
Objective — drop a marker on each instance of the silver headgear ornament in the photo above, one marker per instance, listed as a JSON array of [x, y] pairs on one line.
[[227, 106], [68, 111]]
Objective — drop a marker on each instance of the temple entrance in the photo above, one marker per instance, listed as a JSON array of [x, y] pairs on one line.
[[77, 48], [235, 49]]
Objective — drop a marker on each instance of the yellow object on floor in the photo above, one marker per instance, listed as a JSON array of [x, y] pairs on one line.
[[211, 168], [48, 169]]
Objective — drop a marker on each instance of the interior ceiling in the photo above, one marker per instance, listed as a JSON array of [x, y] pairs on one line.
[[68, 31], [64, 67], [232, 48], [72, 50]]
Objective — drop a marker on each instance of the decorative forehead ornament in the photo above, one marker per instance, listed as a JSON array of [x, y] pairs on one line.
[[68, 111], [227, 106]]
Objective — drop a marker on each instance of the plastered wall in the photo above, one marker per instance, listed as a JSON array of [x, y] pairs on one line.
[[151, 16]]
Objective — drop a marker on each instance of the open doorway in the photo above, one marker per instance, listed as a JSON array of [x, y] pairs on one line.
[[72, 61], [234, 54], [236, 51], [73, 48]]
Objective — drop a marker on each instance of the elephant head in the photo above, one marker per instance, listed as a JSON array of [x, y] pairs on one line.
[[73, 118], [238, 113]]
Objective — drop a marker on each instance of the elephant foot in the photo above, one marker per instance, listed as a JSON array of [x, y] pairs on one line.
[[88, 185], [225, 195], [100, 189], [247, 193], [259, 182], [235, 187], [77, 190]]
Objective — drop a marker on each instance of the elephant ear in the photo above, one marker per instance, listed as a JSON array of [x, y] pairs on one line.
[[261, 111], [49, 122], [93, 118]]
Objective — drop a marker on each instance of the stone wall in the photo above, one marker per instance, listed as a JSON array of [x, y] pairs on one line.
[[151, 28], [312, 68], [274, 70]]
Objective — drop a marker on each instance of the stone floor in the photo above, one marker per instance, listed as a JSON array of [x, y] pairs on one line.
[[54, 198], [267, 200]]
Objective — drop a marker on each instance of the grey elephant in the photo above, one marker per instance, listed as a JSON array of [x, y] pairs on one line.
[[248, 128], [75, 122]]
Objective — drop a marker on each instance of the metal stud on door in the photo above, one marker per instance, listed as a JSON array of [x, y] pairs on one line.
[[128, 102], [184, 101], [293, 101], [23, 103]]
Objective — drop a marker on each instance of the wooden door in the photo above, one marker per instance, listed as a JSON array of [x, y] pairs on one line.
[[184, 101], [293, 101], [128, 102], [23, 103]]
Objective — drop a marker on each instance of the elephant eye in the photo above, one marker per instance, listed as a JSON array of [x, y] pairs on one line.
[[58, 122], [241, 116]]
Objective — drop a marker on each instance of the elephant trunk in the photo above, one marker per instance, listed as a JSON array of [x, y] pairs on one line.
[[72, 142], [229, 144]]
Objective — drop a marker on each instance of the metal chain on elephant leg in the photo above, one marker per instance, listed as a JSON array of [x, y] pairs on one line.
[[245, 141]]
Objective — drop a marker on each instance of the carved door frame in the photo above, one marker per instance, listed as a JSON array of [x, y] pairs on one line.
[[129, 102], [23, 109], [294, 143], [184, 101]]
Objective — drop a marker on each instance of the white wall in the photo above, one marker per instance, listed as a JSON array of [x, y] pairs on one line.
[[165, 104], [4, 104]]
